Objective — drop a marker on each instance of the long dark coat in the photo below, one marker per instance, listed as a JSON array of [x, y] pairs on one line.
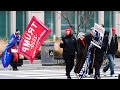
[[81, 57]]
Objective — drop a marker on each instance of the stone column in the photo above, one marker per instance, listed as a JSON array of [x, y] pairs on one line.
[[76, 22], [117, 22], [101, 17], [12, 22], [58, 23], [38, 14]]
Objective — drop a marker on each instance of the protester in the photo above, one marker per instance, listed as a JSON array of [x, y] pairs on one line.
[[88, 41], [111, 50], [82, 52], [98, 58], [14, 47], [69, 46]]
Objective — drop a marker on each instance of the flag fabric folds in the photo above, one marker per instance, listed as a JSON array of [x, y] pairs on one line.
[[35, 34], [7, 54], [83, 71]]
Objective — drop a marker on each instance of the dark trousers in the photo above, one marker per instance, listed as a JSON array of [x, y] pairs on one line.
[[90, 69], [97, 66], [13, 64], [79, 64], [69, 60]]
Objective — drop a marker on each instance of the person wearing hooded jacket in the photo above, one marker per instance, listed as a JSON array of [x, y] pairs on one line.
[[88, 41], [15, 55], [98, 57], [111, 50], [69, 45], [82, 52]]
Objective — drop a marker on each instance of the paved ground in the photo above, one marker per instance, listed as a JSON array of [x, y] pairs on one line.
[[37, 71], [46, 74]]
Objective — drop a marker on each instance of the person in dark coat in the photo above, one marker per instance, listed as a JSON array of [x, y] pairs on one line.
[[88, 41], [82, 52], [98, 57], [111, 50], [69, 45]]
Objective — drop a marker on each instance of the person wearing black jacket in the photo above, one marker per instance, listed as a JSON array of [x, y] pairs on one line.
[[98, 54], [69, 46], [111, 50], [82, 52], [88, 38], [98, 57]]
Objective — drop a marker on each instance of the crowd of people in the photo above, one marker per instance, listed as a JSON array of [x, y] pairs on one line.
[[78, 46]]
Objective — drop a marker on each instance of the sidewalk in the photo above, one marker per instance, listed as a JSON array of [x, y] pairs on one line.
[[117, 62], [36, 65]]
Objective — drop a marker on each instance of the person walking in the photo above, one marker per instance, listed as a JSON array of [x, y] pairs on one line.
[[82, 53], [69, 45], [88, 41], [111, 50]]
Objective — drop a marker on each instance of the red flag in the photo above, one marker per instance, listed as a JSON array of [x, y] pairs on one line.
[[34, 35]]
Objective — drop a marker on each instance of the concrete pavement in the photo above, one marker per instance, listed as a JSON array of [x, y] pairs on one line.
[[36, 65], [37, 71]]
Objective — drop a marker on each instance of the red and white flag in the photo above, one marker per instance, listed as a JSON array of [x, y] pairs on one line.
[[34, 35]]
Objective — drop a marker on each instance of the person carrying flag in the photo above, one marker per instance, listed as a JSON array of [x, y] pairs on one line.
[[14, 51], [10, 55], [82, 52]]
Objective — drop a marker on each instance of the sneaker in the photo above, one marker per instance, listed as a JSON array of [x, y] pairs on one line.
[[77, 75], [104, 73], [88, 76], [15, 69], [97, 77], [68, 77], [91, 75]]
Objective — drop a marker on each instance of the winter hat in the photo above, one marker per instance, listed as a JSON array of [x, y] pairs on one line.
[[113, 29], [17, 31], [80, 34], [68, 29], [91, 31]]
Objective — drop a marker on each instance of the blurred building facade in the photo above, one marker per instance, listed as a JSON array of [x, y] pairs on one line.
[[12, 20]]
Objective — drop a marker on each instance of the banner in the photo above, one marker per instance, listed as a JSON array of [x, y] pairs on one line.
[[98, 35], [34, 35]]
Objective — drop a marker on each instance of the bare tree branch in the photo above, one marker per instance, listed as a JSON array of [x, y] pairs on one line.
[[85, 16], [82, 16], [68, 21]]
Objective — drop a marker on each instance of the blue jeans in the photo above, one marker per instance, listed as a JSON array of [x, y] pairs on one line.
[[110, 64]]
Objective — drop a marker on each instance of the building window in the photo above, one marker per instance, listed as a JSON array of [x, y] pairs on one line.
[[108, 20], [96, 17], [21, 21], [50, 21], [93, 19], [4, 24], [112, 18]]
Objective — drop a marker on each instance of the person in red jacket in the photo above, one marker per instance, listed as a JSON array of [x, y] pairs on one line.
[[14, 51]]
